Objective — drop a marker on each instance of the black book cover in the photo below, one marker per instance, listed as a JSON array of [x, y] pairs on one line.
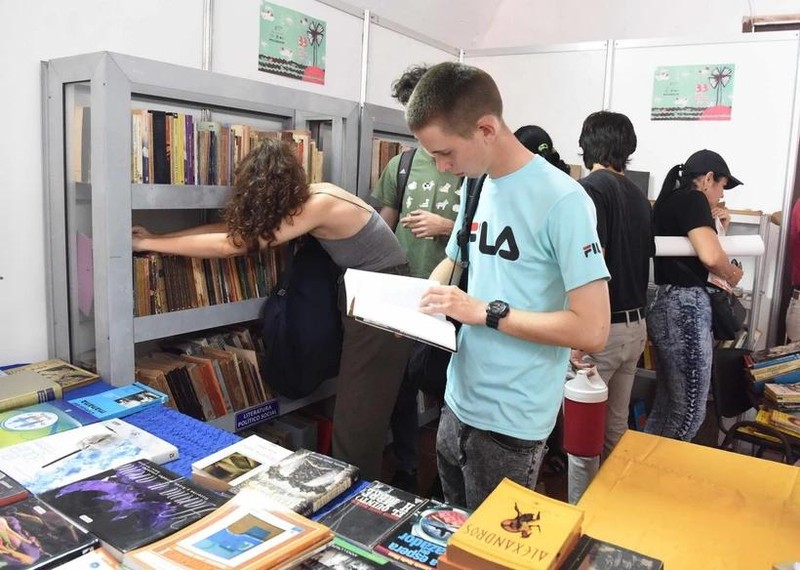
[[371, 513], [160, 156], [593, 554], [340, 554], [134, 504], [34, 536], [420, 539], [10, 490]]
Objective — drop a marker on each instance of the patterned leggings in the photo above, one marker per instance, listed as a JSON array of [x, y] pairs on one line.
[[679, 325]]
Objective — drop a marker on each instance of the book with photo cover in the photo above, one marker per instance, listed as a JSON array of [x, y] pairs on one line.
[[341, 554], [391, 302], [35, 536], [238, 462], [304, 481], [134, 504], [66, 375], [61, 458], [371, 513], [120, 402], [40, 420], [593, 554], [246, 533], [420, 539]]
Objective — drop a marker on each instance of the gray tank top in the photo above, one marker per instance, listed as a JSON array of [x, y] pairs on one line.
[[372, 248]]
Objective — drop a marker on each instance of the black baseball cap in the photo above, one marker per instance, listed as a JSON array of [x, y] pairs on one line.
[[709, 161]]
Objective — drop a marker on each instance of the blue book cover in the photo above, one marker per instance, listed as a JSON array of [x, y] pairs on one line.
[[40, 420], [120, 402]]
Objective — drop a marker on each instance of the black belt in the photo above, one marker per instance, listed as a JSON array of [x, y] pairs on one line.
[[629, 316]]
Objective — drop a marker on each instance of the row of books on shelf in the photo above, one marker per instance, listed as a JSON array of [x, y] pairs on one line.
[[382, 152], [177, 148], [208, 376], [165, 283]]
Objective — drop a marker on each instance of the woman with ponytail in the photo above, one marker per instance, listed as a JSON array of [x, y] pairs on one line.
[[536, 140], [679, 320]]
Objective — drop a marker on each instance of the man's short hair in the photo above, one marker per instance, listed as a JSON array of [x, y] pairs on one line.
[[454, 95], [607, 138]]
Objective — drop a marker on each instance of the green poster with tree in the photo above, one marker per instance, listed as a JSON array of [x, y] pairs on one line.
[[291, 44], [693, 92]]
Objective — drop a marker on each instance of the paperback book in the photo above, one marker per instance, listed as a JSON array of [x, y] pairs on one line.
[[391, 302], [340, 554], [66, 375], [61, 458], [120, 402], [516, 528], [10, 490], [237, 463], [371, 513], [593, 554], [34, 536], [246, 533], [134, 504], [97, 559], [420, 539], [304, 481], [40, 420]]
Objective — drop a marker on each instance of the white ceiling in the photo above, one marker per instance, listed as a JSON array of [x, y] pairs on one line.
[[467, 20]]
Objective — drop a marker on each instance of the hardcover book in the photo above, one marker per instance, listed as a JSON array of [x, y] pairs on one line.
[[134, 504], [59, 371], [340, 554], [36, 536], [371, 513], [236, 463], [40, 420], [593, 554], [517, 528], [10, 490], [391, 302], [246, 533], [420, 539], [304, 481], [25, 389], [120, 402], [61, 458]]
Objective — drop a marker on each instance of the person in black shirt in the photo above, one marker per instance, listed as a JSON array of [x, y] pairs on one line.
[[624, 227], [679, 320]]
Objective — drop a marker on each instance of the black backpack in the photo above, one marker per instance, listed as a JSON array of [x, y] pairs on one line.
[[302, 326], [427, 365]]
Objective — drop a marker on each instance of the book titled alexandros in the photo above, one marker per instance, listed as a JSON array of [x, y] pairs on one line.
[[120, 402], [134, 504]]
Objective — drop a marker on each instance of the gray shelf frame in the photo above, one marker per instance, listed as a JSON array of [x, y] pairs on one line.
[[117, 83], [377, 119]]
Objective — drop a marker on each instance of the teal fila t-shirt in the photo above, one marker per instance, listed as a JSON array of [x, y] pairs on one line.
[[426, 189], [533, 239]]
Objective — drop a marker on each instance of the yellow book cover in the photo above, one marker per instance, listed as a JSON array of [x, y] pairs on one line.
[[787, 423], [516, 528]]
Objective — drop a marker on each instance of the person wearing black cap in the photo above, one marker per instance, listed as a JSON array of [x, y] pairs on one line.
[[536, 140], [679, 319]]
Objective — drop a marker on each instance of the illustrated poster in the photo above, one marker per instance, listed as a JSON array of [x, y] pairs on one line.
[[291, 44], [693, 92]]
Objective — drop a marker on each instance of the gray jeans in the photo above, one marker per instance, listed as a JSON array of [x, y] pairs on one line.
[[472, 462]]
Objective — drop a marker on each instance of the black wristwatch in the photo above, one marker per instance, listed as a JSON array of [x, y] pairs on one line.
[[496, 311]]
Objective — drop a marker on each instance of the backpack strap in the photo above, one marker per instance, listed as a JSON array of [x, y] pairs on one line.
[[474, 186], [403, 170]]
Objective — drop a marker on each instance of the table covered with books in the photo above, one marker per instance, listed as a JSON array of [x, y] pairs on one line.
[[694, 506]]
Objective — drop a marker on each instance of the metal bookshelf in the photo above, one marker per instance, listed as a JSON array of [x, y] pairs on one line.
[[101, 204]]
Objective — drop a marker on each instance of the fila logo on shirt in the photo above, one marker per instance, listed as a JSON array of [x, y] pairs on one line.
[[504, 244], [591, 248]]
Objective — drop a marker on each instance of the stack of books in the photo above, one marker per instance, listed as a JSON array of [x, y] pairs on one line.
[[776, 365], [783, 397], [516, 528]]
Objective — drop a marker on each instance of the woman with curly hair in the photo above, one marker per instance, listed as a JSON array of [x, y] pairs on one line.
[[272, 205]]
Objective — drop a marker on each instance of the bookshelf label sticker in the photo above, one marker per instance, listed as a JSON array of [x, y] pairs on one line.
[[257, 414]]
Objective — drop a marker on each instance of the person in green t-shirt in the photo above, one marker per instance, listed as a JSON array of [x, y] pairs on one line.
[[428, 206]]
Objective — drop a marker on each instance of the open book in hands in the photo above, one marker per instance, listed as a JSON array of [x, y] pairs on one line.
[[392, 302]]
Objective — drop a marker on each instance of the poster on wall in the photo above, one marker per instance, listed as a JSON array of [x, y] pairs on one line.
[[291, 44], [693, 92]]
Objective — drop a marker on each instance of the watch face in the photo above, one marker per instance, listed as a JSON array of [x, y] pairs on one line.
[[499, 308]]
